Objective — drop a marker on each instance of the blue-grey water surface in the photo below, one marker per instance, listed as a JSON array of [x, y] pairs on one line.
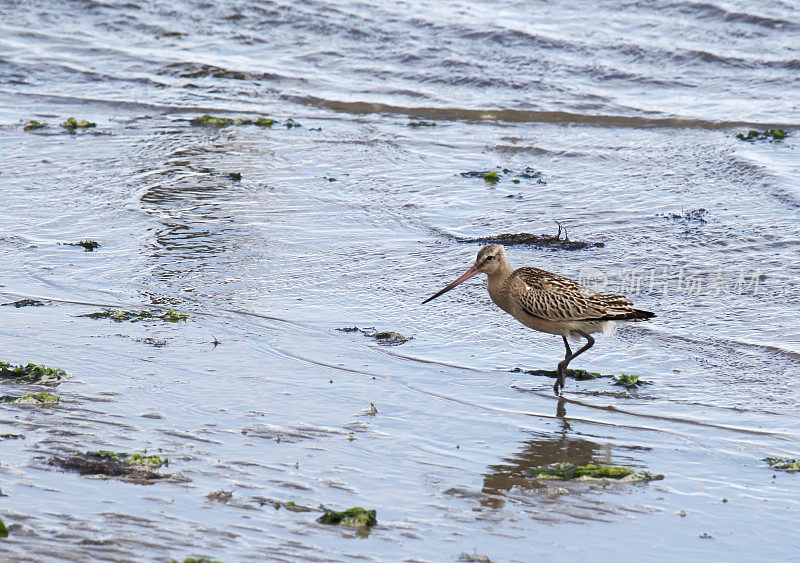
[[628, 112]]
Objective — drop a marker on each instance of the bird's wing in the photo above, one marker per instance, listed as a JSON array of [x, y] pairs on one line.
[[556, 298]]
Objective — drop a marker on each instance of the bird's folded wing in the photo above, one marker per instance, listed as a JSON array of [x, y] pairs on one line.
[[556, 298]]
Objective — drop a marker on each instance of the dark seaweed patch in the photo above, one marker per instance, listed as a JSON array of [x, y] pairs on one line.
[[132, 468], [529, 239], [235, 176], [693, 216], [577, 374], [12, 436], [26, 303], [422, 123], [88, 245], [385, 338]]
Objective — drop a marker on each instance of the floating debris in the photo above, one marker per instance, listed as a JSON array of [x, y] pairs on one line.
[[372, 410], [355, 517], [235, 176], [26, 303], [630, 381], [40, 399], [264, 122], [12, 436], [220, 496], [577, 374], [290, 123], [783, 464], [529, 239], [330, 179], [135, 316], [422, 123], [31, 373], [3, 529], [493, 176], [385, 338], [33, 125], [473, 558], [567, 471], [292, 506], [705, 536], [695, 215], [88, 245], [132, 468], [773, 135], [73, 124]]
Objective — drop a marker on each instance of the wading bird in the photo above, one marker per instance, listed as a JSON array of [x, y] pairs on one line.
[[550, 303]]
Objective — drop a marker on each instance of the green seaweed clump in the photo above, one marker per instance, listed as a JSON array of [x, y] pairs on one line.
[[73, 124], [12, 436], [422, 123], [31, 373], [773, 135], [491, 177], [355, 517], [783, 464], [88, 245], [32, 125], [25, 303], [149, 461], [40, 399], [264, 122], [629, 381], [135, 316], [565, 471], [3, 529], [212, 121]]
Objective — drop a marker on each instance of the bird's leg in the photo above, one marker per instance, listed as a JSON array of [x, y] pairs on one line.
[[566, 345], [562, 365]]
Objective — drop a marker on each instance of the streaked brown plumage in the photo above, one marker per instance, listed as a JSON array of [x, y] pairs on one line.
[[550, 303]]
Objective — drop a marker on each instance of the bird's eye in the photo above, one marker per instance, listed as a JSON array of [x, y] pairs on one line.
[[489, 258]]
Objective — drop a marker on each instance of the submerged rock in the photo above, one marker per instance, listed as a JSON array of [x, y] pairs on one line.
[[567, 471], [355, 517]]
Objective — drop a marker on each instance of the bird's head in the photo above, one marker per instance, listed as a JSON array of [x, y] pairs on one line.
[[491, 259]]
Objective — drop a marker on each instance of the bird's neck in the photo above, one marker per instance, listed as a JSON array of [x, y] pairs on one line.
[[500, 275]]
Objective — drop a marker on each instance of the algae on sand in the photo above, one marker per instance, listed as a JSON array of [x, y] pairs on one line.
[[135, 316], [33, 125], [783, 464], [40, 399], [25, 303], [773, 135], [31, 373], [566, 471], [73, 124], [355, 517]]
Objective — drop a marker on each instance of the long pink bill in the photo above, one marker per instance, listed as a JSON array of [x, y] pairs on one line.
[[471, 272]]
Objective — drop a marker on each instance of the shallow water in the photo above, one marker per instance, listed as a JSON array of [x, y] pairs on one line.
[[630, 114]]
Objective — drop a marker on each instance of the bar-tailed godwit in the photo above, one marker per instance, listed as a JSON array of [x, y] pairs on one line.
[[550, 303]]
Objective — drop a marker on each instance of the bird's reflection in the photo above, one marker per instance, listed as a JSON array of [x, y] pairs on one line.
[[542, 449]]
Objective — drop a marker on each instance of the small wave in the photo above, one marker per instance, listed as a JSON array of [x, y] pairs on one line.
[[710, 11], [200, 70]]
